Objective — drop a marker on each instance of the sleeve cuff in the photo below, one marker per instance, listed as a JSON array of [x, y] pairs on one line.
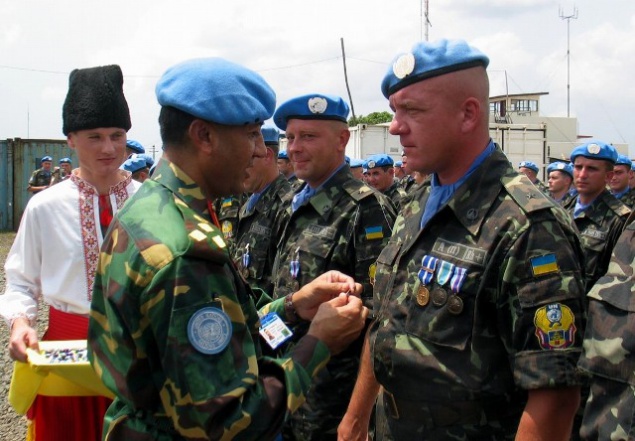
[[547, 369]]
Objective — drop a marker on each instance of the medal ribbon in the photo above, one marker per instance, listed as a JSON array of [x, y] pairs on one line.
[[444, 272], [458, 278], [294, 267], [428, 266], [246, 257]]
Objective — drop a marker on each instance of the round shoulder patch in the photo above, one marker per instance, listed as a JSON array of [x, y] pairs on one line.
[[209, 330]]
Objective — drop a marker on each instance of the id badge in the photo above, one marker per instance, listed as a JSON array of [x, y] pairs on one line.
[[273, 330]]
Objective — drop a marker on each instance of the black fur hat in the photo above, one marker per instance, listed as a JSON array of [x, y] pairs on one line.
[[95, 99]]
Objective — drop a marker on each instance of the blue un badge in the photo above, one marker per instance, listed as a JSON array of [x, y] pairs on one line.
[[209, 330]]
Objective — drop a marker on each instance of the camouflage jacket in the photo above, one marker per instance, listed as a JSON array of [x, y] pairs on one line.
[[408, 183], [40, 178], [227, 210], [609, 347], [541, 186], [396, 193], [629, 198], [174, 329], [256, 235], [482, 304], [344, 227], [600, 225]]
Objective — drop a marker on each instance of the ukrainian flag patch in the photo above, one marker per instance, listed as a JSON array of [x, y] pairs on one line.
[[544, 264], [226, 203], [374, 233]]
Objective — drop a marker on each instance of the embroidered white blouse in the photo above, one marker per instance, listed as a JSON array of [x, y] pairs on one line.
[[55, 252]]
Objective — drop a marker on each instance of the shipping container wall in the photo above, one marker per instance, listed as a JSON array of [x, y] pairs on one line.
[[6, 186], [27, 154]]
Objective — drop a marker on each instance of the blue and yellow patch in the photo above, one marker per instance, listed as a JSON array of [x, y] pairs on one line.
[[374, 233], [227, 202], [544, 265], [555, 326]]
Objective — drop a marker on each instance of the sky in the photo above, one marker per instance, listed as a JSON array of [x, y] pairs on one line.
[[296, 45]]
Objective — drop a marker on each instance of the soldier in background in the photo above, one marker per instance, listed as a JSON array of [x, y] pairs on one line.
[[357, 169], [531, 169], [381, 177], [599, 216], [41, 178], [62, 172], [619, 183], [408, 182], [608, 353], [137, 166], [400, 173], [335, 223], [187, 363], [479, 307], [262, 215], [134, 147], [560, 181]]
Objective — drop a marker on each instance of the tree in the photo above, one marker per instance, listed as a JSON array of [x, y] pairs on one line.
[[371, 118]]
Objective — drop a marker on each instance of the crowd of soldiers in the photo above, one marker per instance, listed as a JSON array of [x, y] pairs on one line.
[[250, 292]]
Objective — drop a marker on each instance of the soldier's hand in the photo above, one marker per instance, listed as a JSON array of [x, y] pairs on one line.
[[23, 336], [339, 321], [322, 289]]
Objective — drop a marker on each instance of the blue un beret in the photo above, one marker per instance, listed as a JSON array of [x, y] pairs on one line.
[[217, 90], [135, 146], [623, 160], [379, 160], [46, 158], [595, 150], [134, 163], [528, 164], [149, 159], [560, 166], [282, 154], [271, 135], [312, 106], [65, 161], [427, 60], [399, 164], [356, 163]]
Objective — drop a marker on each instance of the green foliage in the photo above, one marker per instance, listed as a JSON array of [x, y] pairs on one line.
[[371, 118]]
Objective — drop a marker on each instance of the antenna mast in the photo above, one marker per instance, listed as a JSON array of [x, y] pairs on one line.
[[569, 17]]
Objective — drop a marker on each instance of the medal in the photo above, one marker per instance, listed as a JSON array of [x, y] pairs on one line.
[[245, 272], [423, 296], [439, 296], [246, 262], [428, 266], [455, 304], [294, 270]]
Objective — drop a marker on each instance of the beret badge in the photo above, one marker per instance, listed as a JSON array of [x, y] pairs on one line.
[[371, 164], [404, 65], [317, 104], [594, 149]]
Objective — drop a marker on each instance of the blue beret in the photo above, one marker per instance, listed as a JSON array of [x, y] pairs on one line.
[[135, 146], [271, 135], [134, 163], [65, 161], [430, 59], [46, 158], [633, 165], [217, 90], [379, 160], [356, 163], [623, 160], [312, 106], [398, 163], [149, 159], [560, 166], [530, 165], [282, 154], [595, 150]]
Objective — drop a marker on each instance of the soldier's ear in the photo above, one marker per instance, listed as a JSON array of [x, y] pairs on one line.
[[203, 135]]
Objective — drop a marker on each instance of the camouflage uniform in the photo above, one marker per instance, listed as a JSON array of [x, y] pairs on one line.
[[600, 225], [408, 183], [629, 198], [40, 178], [542, 187], [344, 227], [162, 263], [395, 193], [258, 229], [566, 199], [227, 210], [609, 348], [457, 352]]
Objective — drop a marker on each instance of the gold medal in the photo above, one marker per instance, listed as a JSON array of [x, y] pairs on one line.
[[423, 296], [439, 296], [455, 304]]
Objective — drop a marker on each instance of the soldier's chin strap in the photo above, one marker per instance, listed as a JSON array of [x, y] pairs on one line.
[[212, 214]]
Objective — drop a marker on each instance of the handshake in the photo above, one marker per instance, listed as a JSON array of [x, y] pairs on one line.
[[331, 302]]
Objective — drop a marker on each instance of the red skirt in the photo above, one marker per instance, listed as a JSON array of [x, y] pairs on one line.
[[67, 418]]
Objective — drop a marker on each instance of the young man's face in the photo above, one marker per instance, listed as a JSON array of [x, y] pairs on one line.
[[591, 176], [380, 179], [100, 151], [619, 181], [46, 165], [559, 181]]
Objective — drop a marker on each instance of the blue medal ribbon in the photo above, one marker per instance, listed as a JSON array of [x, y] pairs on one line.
[[444, 272], [246, 257], [428, 266], [458, 278], [294, 267]]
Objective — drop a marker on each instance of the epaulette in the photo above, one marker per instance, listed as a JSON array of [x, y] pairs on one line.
[[528, 197], [356, 190], [617, 206]]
